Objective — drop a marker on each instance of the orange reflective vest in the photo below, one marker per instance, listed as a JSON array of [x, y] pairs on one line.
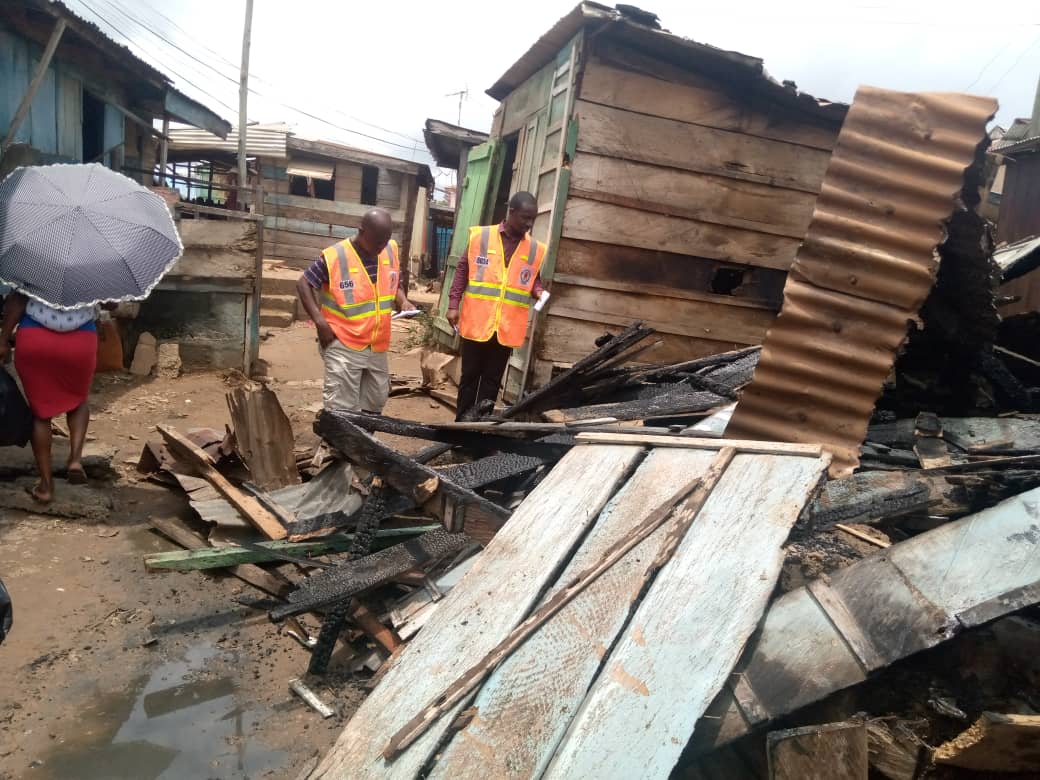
[[358, 311], [498, 296]]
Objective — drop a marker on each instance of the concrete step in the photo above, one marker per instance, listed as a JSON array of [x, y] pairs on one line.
[[275, 319], [279, 280], [278, 303]]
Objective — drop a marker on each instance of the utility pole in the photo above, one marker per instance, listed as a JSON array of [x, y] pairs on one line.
[[243, 94]]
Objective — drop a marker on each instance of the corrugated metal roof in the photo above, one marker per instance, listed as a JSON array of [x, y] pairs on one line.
[[628, 26], [261, 141], [1009, 257], [866, 266]]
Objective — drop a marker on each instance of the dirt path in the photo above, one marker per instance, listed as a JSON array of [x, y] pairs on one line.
[[115, 672]]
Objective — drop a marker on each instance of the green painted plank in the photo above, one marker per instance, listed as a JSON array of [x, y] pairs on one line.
[[222, 557]]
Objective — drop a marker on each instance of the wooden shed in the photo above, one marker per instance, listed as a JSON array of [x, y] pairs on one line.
[[674, 183]]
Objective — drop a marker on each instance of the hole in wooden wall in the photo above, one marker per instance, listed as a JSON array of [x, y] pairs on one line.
[[726, 281]]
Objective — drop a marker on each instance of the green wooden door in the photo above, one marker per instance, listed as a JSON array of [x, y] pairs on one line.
[[483, 170]]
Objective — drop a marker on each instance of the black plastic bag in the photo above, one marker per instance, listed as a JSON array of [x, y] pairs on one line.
[[6, 610], [15, 418]]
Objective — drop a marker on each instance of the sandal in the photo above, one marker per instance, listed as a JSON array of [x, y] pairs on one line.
[[76, 476], [34, 492]]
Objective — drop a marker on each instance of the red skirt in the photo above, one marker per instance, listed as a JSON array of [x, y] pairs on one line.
[[56, 369]]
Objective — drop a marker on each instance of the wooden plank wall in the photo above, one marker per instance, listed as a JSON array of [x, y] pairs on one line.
[[297, 228], [687, 202]]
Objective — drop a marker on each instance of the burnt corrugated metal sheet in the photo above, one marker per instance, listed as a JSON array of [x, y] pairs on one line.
[[866, 265]]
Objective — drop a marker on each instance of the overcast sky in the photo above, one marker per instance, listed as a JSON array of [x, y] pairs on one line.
[[380, 69]]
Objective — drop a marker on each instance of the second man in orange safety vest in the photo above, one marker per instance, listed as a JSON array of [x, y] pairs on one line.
[[496, 284], [350, 292]]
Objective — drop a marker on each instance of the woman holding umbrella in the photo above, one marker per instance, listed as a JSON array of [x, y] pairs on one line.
[[55, 359], [72, 236]]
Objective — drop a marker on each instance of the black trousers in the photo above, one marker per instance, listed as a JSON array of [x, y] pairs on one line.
[[483, 364]]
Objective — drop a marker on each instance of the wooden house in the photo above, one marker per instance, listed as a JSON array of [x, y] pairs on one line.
[[318, 194], [674, 183], [314, 192], [69, 93]]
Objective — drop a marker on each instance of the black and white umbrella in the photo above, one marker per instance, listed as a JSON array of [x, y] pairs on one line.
[[73, 235]]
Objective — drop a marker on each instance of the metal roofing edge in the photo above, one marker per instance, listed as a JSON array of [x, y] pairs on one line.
[[864, 269]]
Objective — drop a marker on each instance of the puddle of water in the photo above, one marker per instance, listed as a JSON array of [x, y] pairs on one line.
[[169, 725]]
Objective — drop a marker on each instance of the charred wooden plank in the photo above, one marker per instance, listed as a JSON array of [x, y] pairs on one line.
[[457, 507], [681, 401], [343, 582], [546, 396], [471, 436]]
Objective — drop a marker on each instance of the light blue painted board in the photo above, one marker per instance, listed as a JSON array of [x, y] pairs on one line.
[[525, 707], [114, 128], [70, 115], [996, 551], [687, 633], [16, 76], [504, 583], [8, 84], [195, 114], [45, 112], [980, 567]]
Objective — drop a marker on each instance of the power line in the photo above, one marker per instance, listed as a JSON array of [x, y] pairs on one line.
[[1015, 63], [984, 69], [295, 109], [105, 21], [144, 25]]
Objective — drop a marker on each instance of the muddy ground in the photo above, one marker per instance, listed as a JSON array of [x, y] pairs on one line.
[[85, 692]]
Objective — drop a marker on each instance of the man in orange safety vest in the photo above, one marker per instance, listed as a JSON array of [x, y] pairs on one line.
[[349, 292], [495, 285]]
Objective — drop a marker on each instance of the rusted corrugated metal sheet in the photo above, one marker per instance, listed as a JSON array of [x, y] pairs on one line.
[[866, 265]]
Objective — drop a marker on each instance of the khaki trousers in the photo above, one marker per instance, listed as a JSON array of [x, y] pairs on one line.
[[355, 380]]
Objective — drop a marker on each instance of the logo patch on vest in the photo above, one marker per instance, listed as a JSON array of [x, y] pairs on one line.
[[525, 275], [346, 284], [481, 260], [393, 278]]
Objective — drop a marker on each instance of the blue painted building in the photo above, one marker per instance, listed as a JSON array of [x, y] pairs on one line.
[[93, 101]]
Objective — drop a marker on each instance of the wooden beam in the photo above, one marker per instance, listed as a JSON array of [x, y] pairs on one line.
[[834, 751], [370, 624], [251, 509], [741, 445], [41, 71], [266, 581]]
